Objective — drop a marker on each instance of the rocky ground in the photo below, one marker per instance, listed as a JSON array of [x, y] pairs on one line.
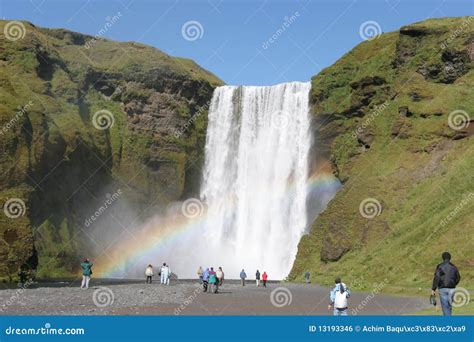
[[187, 298]]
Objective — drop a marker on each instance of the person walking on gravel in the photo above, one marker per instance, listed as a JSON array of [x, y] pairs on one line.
[[205, 280], [213, 281], [264, 278], [86, 273], [306, 277], [338, 297], [446, 278], [165, 274], [243, 275], [257, 278], [200, 272], [220, 276], [149, 274]]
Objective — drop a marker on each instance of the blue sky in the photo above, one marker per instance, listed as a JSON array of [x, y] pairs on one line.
[[234, 40]]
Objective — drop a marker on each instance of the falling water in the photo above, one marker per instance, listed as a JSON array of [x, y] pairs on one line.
[[256, 197], [255, 176]]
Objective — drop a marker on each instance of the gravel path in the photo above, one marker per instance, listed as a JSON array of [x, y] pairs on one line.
[[187, 298]]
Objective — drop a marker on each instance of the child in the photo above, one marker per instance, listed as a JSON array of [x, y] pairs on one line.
[[338, 296], [149, 274]]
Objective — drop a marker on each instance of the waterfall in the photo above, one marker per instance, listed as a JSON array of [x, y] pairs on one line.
[[255, 177], [257, 198]]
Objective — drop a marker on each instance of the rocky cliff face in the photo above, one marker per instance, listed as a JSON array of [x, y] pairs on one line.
[[84, 122], [396, 117]]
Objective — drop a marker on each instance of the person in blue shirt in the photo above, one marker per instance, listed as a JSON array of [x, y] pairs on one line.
[[205, 279], [242, 277]]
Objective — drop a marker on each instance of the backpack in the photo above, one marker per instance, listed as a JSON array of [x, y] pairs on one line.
[[340, 302]]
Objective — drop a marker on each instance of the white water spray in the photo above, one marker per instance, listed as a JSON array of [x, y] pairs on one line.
[[254, 180]]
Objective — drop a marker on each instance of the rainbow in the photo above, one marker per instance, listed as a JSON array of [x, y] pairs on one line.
[[160, 232]]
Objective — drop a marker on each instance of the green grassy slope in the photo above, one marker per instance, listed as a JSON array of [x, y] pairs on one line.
[[417, 167], [60, 165]]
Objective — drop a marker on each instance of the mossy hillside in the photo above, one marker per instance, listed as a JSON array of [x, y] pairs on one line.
[[60, 165], [416, 166]]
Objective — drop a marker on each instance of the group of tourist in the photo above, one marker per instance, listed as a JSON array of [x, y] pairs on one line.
[[264, 278], [211, 280], [446, 279]]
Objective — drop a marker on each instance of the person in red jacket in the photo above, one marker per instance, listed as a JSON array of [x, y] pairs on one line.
[[264, 279]]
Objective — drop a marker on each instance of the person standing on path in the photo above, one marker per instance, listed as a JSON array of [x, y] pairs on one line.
[[86, 273], [257, 278], [338, 297], [212, 281], [264, 278], [446, 278], [306, 277], [243, 275], [200, 272], [165, 274], [220, 276], [205, 279], [149, 274]]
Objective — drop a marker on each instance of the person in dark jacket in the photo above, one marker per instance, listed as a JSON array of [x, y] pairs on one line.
[[445, 279]]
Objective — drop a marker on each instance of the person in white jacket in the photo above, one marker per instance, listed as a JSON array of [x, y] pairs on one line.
[[338, 296], [149, 274], [165, 274]]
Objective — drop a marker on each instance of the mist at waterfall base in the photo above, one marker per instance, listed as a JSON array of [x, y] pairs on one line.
[[259, 193]]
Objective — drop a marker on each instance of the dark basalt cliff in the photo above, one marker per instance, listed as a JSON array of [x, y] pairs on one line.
[[84, 121]]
